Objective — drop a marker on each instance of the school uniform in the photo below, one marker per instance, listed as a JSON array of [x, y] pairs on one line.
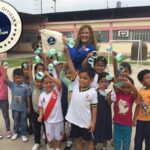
[[79, 111], [54, 124], [103, 129]]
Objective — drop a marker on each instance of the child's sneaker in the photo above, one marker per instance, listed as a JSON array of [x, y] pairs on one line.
[[24, 138], [8, 134], [44, 136], [1, 136], [36, 146], [14, 137], [68, 146], [104, 148]]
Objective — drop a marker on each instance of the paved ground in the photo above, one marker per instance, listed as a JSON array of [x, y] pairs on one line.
[[7, 144]]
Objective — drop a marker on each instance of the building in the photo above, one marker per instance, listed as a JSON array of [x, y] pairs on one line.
[[131, 23]]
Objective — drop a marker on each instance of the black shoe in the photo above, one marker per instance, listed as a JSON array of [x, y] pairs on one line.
[[30, 130], [68, 147]]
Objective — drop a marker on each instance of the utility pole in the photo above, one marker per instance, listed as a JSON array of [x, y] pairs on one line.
[[107, 4], [54, 5], [41, 7]]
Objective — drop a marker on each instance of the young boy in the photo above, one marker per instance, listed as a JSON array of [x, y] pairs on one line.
[[50, 108], [20, 104], [4, 104], [83, 107], [142, 112]]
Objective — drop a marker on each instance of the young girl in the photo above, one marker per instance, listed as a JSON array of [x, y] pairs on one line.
[[100, 64], [103, 129], [83, 107], [50, 109], [85, 43], [4, 104], [39, 67], [126, 93], [36, 89]]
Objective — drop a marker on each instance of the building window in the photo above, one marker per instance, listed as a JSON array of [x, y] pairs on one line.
[[102, 36], [68, 34], [143, 35], [28, 37]]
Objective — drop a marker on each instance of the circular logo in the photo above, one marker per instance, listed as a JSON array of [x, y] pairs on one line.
[[51, 40], [10, 27]]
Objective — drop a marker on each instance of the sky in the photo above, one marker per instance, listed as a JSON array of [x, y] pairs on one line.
[[35, 7]]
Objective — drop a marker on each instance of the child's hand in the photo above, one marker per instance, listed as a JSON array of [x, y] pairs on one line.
[[47, 73], [134, 122], [108, 97], [44, 56], [65, 50], [30, 63], [126, 81], [90, 55], [28, 110], [114, 54], [40, 119], [64, 38], [91, 127]]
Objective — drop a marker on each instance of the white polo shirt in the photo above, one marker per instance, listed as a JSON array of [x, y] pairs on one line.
[[56, 114], [79, 111]]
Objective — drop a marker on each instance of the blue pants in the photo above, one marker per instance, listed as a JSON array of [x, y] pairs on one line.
[[122, 136], [20, 122], [142, 133]]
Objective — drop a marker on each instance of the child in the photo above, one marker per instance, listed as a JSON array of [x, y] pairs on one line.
[[83, 107], [67, 88], [4, 104], [39, 67], [50, 108], [142, 113], [103, 129], [25, 68], [36, 89], [126, 93], [85, 43], [100, 64], [20, 104]]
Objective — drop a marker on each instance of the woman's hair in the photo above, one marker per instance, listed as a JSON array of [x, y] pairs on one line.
[[100, 59], [92, 37], [126, 65]]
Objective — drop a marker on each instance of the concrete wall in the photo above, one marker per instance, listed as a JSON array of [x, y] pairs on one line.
[[98, 25]]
